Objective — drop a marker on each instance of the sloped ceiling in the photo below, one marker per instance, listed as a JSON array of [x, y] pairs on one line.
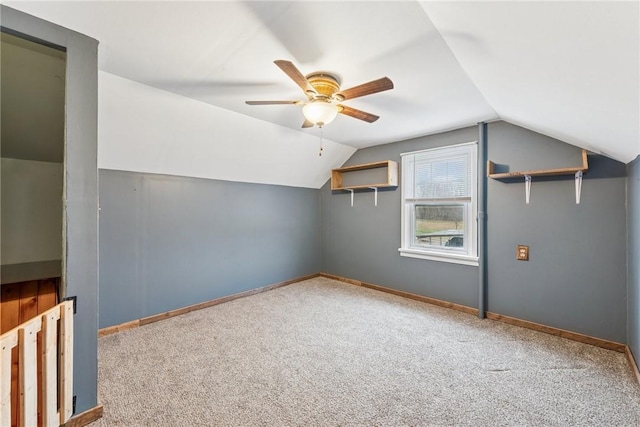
[[569, 70], [566, 69]]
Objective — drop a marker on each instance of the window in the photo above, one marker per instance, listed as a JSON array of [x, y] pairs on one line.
[[439, 204]]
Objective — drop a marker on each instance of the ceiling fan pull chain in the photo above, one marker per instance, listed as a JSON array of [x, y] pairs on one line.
[[320, 151]]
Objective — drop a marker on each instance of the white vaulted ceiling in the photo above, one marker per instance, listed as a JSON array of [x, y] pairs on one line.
[[569, 70]]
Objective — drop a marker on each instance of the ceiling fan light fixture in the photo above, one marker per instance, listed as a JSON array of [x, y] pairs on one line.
[[319, 112], [324, 95]]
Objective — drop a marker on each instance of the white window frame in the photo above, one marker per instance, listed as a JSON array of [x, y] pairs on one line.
[[468, 255]]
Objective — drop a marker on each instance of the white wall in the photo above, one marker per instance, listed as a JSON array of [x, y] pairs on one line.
[[31, 211], [144, 129]]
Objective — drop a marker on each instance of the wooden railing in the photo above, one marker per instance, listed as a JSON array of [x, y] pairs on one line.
[[45, 370]]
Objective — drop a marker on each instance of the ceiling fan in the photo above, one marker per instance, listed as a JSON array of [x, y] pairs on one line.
[[324, 95]]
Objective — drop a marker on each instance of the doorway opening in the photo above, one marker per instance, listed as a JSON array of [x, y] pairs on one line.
[[32, 144]]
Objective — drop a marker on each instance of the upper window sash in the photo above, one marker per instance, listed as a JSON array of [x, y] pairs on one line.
[[440, 173]]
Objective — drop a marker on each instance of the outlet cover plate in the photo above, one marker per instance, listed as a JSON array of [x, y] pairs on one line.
[[522, 253]]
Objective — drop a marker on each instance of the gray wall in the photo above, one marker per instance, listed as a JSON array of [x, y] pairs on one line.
[[80, 273], [576, 276], [633, 256], [31, 211], [167, 242], [361, 242]]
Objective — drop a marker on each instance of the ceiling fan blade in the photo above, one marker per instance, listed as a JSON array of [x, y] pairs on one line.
[[358, 114], [270, 102], [295, 75], [374, 86], [307, 124]]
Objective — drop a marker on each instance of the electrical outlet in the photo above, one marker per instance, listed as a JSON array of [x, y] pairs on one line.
[[522, 253]]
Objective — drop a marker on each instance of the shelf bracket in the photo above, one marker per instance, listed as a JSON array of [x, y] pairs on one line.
[[527, 188], [578, 186], [351, 196], [375, 197]]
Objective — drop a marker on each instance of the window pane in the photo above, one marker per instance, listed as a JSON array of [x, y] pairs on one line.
[[443, 178], [439, 226]]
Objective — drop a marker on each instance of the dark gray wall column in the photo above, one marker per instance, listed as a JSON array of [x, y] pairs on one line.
[[81, 189], [482, 219], [167, 242], [633, 257]]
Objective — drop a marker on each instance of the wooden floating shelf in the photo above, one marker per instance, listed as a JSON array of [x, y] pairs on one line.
[[364, 187], [539, 172], [392, 175]]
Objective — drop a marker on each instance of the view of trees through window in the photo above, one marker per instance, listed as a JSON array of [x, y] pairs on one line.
[[439, 225]]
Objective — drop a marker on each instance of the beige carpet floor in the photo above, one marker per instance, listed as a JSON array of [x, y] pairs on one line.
[[325, 353]]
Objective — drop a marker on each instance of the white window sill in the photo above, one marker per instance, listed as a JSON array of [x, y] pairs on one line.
[[440, 256]]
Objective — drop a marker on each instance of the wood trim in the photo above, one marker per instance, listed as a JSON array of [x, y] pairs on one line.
[[539, 172], [409, 295], [177, 312], [585, 161], [86, 417], [392, 175], [574, 336], [65, 357], [365, 186], [341, 279], [586, 339], [365, 166], [118, 328], [21, 301], [31, 394], [632, 363]]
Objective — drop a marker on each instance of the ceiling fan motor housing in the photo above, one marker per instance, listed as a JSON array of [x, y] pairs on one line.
[[325, 84], [324, 95]]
